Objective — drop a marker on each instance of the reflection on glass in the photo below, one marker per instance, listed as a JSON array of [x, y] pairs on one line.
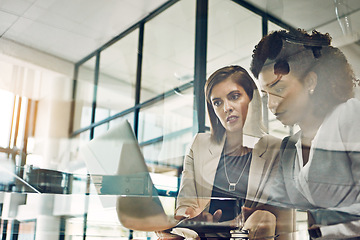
[[310, 83], [129, 117], [275, 127], [273, 27], [22, 118], [233, 31], [84, 94], [6, 106], [167, 116], [168, 58], [116, 87], [103, 128], [169, 153], [342, 11], [72, 161]]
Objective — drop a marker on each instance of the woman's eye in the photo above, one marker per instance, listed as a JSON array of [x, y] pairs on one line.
[[216, 103], [235, 96]]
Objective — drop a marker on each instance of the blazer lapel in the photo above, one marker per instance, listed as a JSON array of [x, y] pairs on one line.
[[255, 176], [265, 155], [210, 161]]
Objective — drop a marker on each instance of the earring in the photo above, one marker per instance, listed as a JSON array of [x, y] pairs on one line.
[[217, 121], [311, 91]]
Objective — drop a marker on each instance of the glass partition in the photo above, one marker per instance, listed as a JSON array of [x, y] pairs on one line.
[[84, 95], [232, 33], [313, 177], [168, 57], [116, 87], [167, 116]]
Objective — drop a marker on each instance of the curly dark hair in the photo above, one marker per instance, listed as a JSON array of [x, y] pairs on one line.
[[241, 77], [301, 52]]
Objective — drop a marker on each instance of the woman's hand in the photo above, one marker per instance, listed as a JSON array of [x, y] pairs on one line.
[[203, 216], [165, 235], [261, 224]]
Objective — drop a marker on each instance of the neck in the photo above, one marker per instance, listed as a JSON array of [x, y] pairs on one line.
[[309, 127], [234, 144]]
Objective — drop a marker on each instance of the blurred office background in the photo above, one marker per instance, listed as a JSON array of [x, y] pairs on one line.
[[70, 70]]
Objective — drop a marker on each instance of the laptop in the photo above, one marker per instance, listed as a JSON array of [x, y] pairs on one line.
[[117, 167]]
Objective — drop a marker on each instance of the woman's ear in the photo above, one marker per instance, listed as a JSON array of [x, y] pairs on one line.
[[311, 81]]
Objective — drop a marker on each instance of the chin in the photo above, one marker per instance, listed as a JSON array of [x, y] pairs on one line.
[[235, 129], [288, 123]]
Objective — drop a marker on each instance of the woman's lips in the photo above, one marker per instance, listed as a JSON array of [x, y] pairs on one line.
[[231, 119]]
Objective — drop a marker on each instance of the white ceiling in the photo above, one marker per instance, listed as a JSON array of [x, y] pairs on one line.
[[70, 29], [320, 15]]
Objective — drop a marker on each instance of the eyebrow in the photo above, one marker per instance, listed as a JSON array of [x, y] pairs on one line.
[[230, 93], [276, 81]]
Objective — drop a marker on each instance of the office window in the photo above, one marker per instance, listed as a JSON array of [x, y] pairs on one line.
[[172, 114], [6, 106], [233, 31], [116, 87], [103, 128], [273, 27], [73, 161], [129, 117], [168, 154], [275, 127], [168, 57], [84, 94]]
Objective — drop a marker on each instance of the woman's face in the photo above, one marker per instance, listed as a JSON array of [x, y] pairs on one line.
[[288, 98], [230, 103]]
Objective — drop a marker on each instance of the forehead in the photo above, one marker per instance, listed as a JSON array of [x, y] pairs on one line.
[[226, 86], [267, 77]]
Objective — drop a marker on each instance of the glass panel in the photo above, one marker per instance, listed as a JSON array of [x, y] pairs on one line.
[[104, 127], [116, 87], [27, 230], [273, 27], [167, 116], [84, 94], [232, 33], [168, 154], [275, 127], [129, 117], [72, 160], [6, 106], [168, 58], [23, 111]]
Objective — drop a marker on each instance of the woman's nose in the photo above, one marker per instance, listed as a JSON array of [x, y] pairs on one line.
[[273, 102], [228, 107]]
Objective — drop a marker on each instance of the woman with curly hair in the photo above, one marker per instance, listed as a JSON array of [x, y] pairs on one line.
[[310, 83]]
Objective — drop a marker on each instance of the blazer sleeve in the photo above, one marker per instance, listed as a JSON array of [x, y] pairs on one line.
[[347, 218], [350, 136], [187, 196]]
